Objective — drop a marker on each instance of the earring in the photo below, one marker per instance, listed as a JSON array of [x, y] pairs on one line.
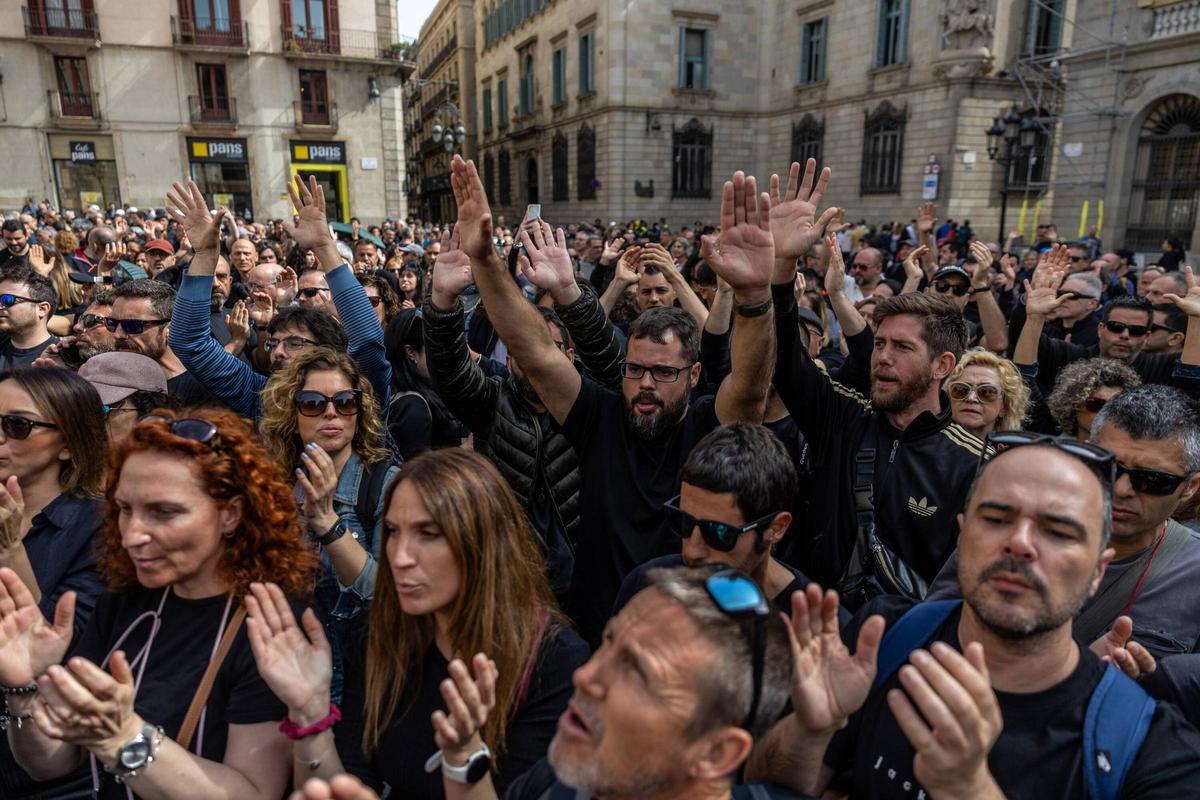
[[229, 534]]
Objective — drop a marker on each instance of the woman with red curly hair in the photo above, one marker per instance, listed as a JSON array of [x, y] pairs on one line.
[[160, 692]]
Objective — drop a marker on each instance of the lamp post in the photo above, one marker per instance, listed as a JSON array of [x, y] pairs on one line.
[[448, 129], [1010, 138]]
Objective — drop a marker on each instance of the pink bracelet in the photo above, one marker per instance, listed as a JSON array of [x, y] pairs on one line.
[[295, 732]]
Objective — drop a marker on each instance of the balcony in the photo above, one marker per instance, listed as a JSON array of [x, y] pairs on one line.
[[223, 35], [213, 111], [442, 55], [1175, 19], [60, 23], [315, 118], [73, 106], [343, 43]]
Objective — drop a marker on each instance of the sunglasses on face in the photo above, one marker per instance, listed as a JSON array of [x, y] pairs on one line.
[[739, 596], [313, 404], [1157, 327], [1078, 258], [1151, 481], [15, 427], [945, 287], [194, 430], [1094, 404], [311, 292], [721, 536], [10, 300], [89, 321], [375, 301], [1135, 331], [1102, 462], [661, 373], [1074, 295], [132, 327], [986, 392]]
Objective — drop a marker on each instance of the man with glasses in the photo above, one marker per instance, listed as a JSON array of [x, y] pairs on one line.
[[1168, 330], [990, 696], [292, 330], [27, 301], [867, 271], [314, 294], [1165, 284], [141, 323], [1076, 320]]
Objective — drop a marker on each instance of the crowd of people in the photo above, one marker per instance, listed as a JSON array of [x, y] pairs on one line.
[[775, 507]]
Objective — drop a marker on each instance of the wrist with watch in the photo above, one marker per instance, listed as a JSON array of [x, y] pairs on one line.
[[136, 754], [337, 531], [471, 772]]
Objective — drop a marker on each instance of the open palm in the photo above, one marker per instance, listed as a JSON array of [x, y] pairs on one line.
[[1190, 302], [452, 267], [745, 252], [311, 227], [474, 213], [187, 207], [549, 259], [28, 645], [296, 664], [794, 223]]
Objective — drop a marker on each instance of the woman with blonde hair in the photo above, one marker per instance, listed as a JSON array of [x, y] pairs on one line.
[[54, 266], [462, 576], [987, 393], [321, 419]]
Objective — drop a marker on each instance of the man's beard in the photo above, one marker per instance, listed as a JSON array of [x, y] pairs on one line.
[[1014, 629], [906, 393], [88, 349], [656, 425], [592, 779], [217, 301], [525, 388], [153, 350]]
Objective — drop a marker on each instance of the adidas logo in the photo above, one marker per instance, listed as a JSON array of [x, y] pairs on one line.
[[921, 507]]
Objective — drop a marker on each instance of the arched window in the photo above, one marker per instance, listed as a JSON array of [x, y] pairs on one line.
[[558, 167], [883, 150], [808, 137], [691, 160], [1166, 175]]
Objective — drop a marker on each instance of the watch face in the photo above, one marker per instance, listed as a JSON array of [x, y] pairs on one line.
[[478, 767], [134, 755]]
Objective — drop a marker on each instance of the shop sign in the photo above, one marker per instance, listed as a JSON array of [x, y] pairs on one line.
[[217, 150], [83, 151], [319, 152]]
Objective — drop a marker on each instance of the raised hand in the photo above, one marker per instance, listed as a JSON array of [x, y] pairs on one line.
[[295, 662], [28, 644], [187, 207], [1055, 260], [262, 307], [318, 478], [828, 684], [659, 256], [793, 216], [238, 322], [113, 252], [549, 259], [912, 263], [926, 218], [1041, 296], [958, 721], [745, 254], [311, 229], [474, 213], [1118, 648], [39, 262], [469, 701], [451, 270], [981, 276], [612, 251], [1190, 302], [630, 265], [12, 511], [835, 271]]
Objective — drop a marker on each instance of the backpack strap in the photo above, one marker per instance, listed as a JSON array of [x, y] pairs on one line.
[[1114, 727], [911, 631], [370, 486]]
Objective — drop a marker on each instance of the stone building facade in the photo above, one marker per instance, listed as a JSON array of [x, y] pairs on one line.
[[106, 101], [603, 109]]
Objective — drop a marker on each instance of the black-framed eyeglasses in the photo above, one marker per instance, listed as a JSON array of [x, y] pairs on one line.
[[661, 373], [1102, 462], [311, 292], [739, 596], [718, 535], [1135, 331], [9, 300], [132, 327], [946, 287], [89, 321], [986, 392], [15, 427], [290, 343], [1153, 482], [190, 428], [313, 404]]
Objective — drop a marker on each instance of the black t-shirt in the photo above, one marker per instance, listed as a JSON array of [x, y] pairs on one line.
[[540, 783], [178, 656], [10, 261], [190, 391], [17, 357], [1039, 753], [626, 480], [408, 742]]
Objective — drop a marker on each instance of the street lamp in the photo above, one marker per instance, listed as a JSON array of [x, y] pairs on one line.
[[452, 132], [1010, 138]]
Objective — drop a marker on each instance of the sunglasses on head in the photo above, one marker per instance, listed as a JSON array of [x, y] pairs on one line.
[[986, 392], [1151, 481], [313, 404], [310, 293], [945, 287], [190, 428], [739, 596], [721, 536], [15, 427], [1100, 461], [132, 327], [9, 300], [1135, 331]]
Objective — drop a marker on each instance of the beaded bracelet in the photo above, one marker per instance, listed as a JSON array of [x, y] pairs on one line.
[[19, 690], [7, 719]]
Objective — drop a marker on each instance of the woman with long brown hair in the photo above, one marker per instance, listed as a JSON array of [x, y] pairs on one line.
[[462, 576], [160, 689]]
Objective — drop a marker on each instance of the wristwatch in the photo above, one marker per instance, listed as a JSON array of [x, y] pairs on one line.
[[339, 529], [478, 764], [136, 754]]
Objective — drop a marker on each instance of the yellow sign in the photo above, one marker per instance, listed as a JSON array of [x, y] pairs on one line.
[[90, 198], [222, 199], [200, 149]]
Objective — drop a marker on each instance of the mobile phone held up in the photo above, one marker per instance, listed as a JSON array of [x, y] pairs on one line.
[[533, 211]]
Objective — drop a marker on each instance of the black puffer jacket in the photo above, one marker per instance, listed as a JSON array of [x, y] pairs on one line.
[[525, 446]]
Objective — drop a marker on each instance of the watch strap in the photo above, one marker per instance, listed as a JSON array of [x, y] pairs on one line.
[[469, 773], [330, 536], [754, 310]]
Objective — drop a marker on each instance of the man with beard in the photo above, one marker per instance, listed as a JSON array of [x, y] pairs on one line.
[[89, 335], [632, 443], [509, 421], [291, 331], [985, 698], [27, 301], [141, 322], [16, 243]]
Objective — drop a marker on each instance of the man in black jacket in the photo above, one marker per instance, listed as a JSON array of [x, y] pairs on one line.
[[508, 419]]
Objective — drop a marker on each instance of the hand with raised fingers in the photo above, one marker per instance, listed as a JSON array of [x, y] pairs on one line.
[[186, 206], [926, 218], [981, 275], [828, 683], [262, 307], [912, 263], [113, 252], [311, 228], [612, 250], [39, 262], [451, 270], [835, 272], [295, 660], [469, 701], [795, 226], [1056, 260], [1190, 302], [549, 259], [12, 511], [318, 477], [744, 255], [29, 644], [238, 321], [1041, 296], [654, 253], [949, 714], [474, 213], [1117, 647], [629, 267]]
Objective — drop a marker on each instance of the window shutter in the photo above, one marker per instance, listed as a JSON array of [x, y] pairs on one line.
[[332, 29], [682, 57], [707, 60]]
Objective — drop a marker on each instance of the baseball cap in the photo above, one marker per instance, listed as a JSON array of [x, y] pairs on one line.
[[809, 316], [952, 270], [413, 248], [119, 374], [161, 245]]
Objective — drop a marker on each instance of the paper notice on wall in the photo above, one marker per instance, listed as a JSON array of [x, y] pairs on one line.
[[90, 198], [222, 199]]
